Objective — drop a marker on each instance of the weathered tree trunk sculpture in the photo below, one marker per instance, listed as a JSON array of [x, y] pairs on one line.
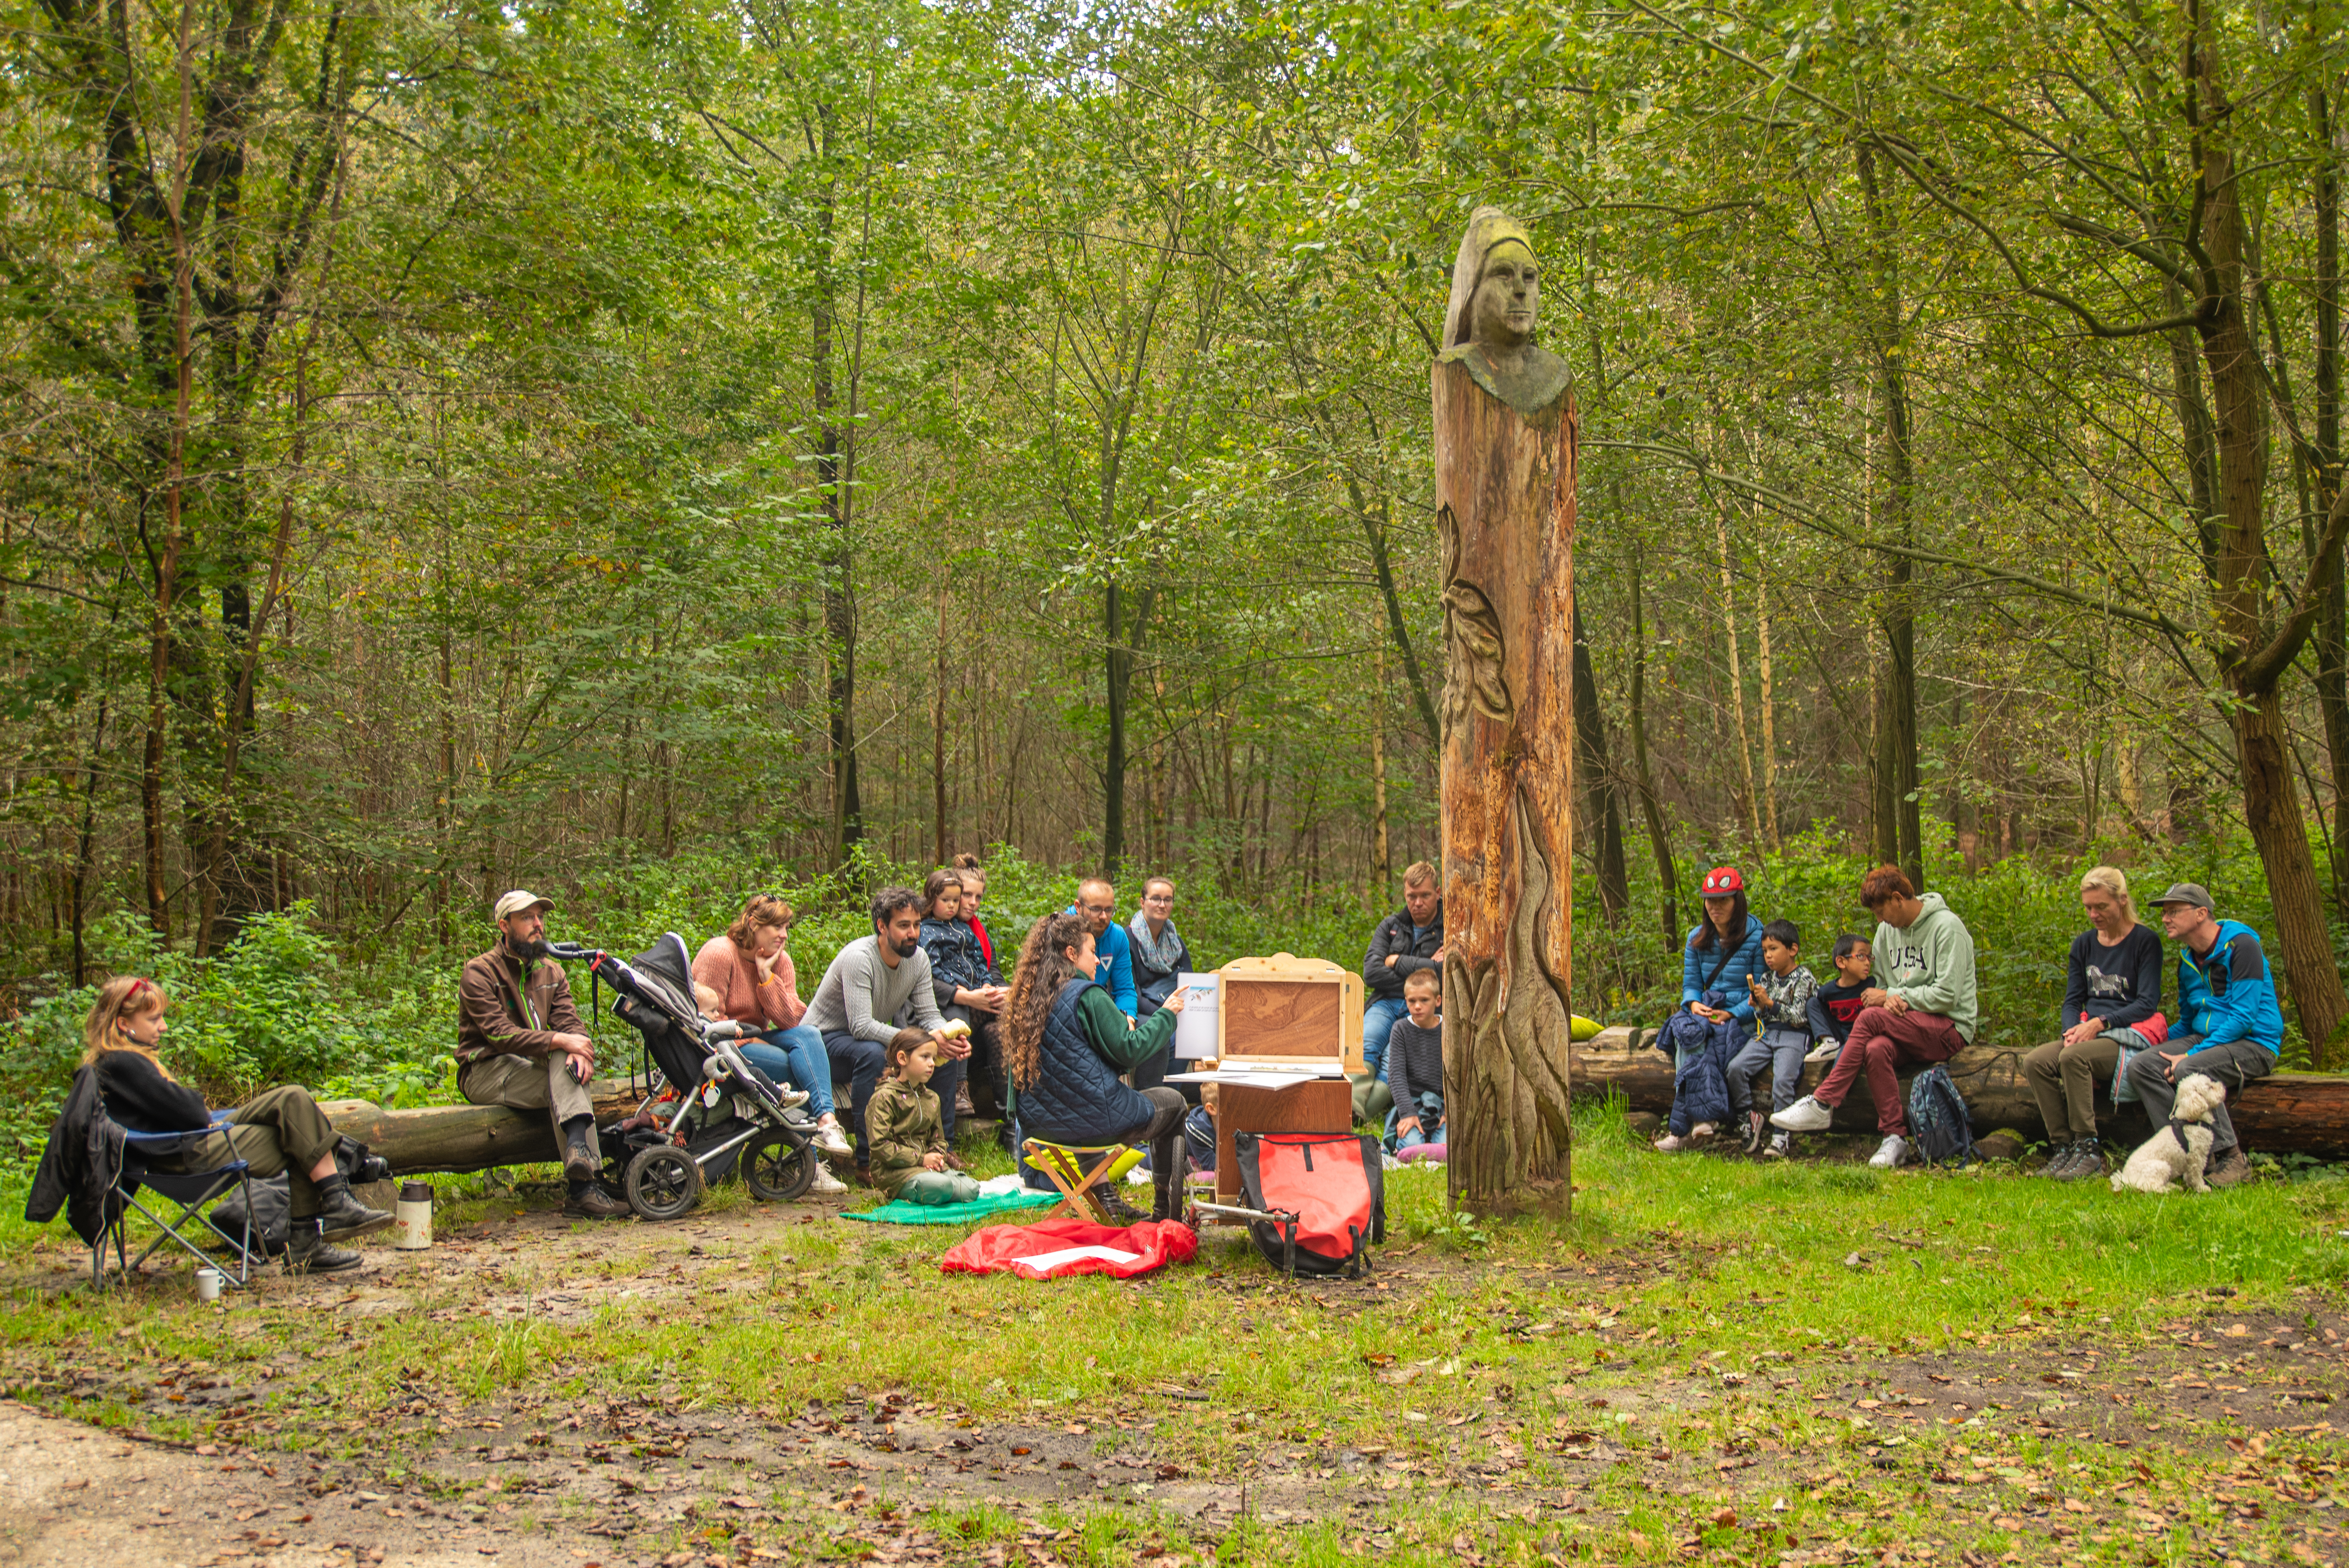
[[1505, 459]]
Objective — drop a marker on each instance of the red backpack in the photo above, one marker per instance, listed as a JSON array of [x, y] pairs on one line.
[[1333, 1183]]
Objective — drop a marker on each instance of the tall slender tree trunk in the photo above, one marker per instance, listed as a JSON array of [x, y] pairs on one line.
[[2256, 657], [1651, 810], [938, 739], [1382, 861], [1769, 713], [1737, 681], [2332, 631], [1602, 811]]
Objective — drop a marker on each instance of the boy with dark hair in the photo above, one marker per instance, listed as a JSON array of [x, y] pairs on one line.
[[1834, 1007], [1782, 1018]]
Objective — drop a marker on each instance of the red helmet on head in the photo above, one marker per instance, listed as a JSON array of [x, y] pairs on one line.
[[1722, 881]]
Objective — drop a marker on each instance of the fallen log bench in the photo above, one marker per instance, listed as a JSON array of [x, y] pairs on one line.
[[2284, 1113], [465, 1138]]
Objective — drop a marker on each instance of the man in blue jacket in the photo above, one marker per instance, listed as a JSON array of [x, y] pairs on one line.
[[1112, 950], [2229, 1023], [1409, 940]]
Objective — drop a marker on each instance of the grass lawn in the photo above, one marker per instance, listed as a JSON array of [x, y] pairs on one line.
[[1713, 1358]]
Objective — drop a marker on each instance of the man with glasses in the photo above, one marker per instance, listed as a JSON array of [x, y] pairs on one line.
[[1097, 902]]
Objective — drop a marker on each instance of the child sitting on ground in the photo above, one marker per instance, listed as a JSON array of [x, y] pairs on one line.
[[1782, 1015], [910, 1159], [1415, 1062], [1833, 1007]]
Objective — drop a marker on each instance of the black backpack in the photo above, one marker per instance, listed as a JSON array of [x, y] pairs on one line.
[[1939, 1128]]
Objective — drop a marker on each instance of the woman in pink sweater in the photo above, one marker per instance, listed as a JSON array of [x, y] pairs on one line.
[[758, 988]]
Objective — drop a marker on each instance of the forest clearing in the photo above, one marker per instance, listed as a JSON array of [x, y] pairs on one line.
[[628, 628], [1968, 1367]]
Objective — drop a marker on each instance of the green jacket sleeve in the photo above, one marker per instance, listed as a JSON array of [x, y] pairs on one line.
[[894, 1128], [1123, 1044]]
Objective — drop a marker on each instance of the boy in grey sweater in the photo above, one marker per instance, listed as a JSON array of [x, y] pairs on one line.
[[1415, 1062], [1782, 1003]]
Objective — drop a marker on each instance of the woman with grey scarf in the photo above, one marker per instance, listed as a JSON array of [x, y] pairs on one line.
[[1159, 954]]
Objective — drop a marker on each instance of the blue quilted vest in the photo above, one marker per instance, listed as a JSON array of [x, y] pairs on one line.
[[1076, 1097]]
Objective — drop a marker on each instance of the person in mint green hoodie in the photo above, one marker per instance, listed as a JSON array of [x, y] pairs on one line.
[[1925, 1012]]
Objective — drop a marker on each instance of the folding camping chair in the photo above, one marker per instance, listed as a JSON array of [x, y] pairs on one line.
[[190, 1190], [1061, 1166]]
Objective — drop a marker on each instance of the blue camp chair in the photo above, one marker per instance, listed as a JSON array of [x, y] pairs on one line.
[[190, 1190]]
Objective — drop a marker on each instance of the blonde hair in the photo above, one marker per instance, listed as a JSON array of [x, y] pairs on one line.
[[2110, 880], [124, 996], [1419, 873]]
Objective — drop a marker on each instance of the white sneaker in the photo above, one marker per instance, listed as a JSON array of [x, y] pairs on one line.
[[830, 1139], [1670, 1143], [1806, 1115], [789, 1098], [825, 1183], [1782, 1144], [1889, 1153]]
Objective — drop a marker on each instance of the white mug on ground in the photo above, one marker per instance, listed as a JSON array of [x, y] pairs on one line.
[[207, 1285]]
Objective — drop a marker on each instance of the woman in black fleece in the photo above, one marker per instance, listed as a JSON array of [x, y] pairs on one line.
[[280, 1129]]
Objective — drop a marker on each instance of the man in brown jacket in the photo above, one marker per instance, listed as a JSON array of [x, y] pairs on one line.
[[520, 1044]]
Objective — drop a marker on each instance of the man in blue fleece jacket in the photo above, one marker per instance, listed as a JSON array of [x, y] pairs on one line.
[[1112, 950], [2230, 1022]]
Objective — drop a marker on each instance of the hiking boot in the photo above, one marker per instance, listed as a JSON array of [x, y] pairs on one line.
[[2229, 1170], [1121, 1212], [1782, 1144], [342, 1216], [2060, 1160], [308, 1253], [2085, 1164], [578, 1165], [1756, 1121], [1889, 1153], [591, 1203], [1806, 1115]]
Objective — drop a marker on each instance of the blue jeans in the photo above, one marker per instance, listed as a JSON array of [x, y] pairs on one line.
[[792, 1055], [1378, 1022], [859, 1060], [1430, 1123]]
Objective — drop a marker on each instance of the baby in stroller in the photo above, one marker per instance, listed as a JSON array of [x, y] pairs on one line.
[[708, 1110]]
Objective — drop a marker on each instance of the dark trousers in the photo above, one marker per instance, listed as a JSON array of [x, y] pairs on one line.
[[1169, 1163], [2234, 1064], [278, 1129], [859, 1060]]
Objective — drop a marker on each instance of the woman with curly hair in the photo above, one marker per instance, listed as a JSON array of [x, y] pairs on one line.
[[1065, 1041]]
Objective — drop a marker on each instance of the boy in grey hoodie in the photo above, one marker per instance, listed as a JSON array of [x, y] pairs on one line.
[[1926, 1014]]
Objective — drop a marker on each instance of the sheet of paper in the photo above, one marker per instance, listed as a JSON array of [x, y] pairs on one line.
[[1245, 1077], [1044, 1263], [1194, 1031]]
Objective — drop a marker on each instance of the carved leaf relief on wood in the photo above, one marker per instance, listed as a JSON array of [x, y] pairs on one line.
[[1474, 679]]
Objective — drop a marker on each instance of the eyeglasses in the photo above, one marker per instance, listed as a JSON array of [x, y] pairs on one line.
[[1098, 908]]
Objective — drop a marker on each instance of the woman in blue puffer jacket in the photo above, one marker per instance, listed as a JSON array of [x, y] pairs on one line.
[[1724, 951]]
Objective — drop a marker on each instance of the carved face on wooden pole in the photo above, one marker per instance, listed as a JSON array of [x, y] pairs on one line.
[[1494, 310]]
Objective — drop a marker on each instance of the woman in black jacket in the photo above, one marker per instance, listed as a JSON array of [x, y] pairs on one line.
[[280, 1129], [1065, 1041]]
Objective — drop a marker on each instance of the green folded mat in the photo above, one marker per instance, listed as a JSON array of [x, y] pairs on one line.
[[900, 1213]]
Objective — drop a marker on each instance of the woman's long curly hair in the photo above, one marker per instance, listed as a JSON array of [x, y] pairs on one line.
[[1044, 968]]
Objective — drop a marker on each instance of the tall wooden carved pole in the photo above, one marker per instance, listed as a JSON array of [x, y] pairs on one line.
[[1505, 458]]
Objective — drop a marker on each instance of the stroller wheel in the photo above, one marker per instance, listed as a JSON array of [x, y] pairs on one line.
[[777, 1169], [664, 1183]]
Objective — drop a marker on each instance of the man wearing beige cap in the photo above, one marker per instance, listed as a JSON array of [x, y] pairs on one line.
[[520, 1044]]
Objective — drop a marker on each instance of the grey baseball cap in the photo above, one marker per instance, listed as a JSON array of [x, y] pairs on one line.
[[2194, 894]]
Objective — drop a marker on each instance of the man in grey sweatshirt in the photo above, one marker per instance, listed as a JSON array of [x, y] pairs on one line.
[[857, 1005], [1927, 1014]]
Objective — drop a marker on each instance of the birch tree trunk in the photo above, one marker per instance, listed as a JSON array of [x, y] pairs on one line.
[[1505, 487]]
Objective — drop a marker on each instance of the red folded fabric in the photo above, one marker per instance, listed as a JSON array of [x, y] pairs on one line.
[[1005, 1249], [2154, 1031]]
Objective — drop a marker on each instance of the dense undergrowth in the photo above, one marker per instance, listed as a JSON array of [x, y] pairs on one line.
[[291, 1003]]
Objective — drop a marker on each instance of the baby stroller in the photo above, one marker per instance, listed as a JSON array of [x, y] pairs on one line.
[[708, 1110]]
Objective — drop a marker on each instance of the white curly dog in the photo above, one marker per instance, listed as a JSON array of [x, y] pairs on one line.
[[2178, 1151]]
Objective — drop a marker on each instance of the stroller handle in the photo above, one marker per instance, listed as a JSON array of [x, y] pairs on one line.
[[573, 949]]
